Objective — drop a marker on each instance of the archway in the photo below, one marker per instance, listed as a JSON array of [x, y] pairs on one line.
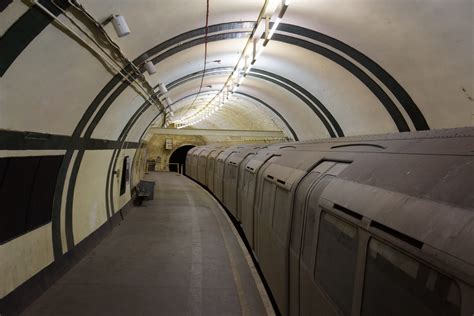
[[178, 159]]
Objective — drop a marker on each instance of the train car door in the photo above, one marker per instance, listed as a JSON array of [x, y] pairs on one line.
[[301, 199], [312, 300], [249, 194]]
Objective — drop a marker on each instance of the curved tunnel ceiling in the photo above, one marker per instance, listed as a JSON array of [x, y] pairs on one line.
[[333, 68], [325, 72]]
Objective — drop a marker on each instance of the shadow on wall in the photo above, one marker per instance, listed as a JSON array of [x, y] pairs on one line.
[[178, 159]]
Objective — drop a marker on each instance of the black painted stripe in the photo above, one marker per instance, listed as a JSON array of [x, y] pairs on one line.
[[103, 109], [401, 94], [388, 80], [386, 101], [113, 162], [389, 105], [337, 131], [209, 71], [95, 121], [31, 32], [175, 41], [23, 31], [77, 162], [24, 25], [200, 41], [58, 194], [19, 140], [22, 296], [307, 94], [4, 4], [325, 122], [70, 200], [332, 126], [109, 206], [57, 203], [287, 124]]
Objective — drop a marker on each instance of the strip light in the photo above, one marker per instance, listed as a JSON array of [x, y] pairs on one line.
[[274, 27], [241, 70]]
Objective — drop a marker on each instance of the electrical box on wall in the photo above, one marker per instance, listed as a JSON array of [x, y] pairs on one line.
[[168, 143]]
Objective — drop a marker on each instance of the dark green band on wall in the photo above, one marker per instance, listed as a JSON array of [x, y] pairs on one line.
[[23, 31], [16, 140]]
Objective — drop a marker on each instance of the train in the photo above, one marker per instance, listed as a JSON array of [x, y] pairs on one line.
[[363, 225]]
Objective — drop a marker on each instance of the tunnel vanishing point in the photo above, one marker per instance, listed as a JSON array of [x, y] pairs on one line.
[[237, 157]]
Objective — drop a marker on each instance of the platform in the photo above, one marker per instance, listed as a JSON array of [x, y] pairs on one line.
[[176, 255]]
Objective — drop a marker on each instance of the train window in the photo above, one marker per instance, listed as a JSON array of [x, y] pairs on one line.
[[268, 199], [234, 170], [218, 167], [310, 220], [281, 212], [250, 186], [245, 182], [300, 204], [392, 278], [336, 260], [227, 172], [211, 164], [308, 234]]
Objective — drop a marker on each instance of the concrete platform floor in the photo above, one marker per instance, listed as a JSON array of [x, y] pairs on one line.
[[176, 255]]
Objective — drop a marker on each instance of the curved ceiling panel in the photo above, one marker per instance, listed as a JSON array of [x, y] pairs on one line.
[[333, 68], [329, 70], [426, 46]]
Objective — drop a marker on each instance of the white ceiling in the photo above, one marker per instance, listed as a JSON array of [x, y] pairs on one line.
[[425, 46]]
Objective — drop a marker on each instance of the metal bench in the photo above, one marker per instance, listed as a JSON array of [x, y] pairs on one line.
[[144, 191]]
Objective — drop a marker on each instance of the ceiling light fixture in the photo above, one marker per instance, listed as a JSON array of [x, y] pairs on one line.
[[274, 27], [150, 67], [242, 69], [119, 23]]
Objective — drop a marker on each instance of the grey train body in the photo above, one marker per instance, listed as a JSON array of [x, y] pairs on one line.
[[375, 225]]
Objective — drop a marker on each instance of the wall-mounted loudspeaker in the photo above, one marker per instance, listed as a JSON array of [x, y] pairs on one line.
[[120, 25]]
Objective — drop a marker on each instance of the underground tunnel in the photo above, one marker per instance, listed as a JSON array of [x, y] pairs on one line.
[[225, 157]]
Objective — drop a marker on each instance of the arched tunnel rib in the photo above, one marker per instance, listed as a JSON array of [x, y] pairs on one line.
[[259, 101], [339, 59], [398, 118], [389, 81], [319, 137], [330, 123]]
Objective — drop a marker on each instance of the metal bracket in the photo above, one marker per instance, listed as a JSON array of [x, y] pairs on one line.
[[108, 20]]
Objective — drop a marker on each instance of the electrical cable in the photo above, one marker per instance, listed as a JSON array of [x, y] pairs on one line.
[[189, 118], [205, 55], [141, 84]]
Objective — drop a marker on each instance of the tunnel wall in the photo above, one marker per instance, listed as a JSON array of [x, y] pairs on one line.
[[156, 147], [29, 253], [58, 98]]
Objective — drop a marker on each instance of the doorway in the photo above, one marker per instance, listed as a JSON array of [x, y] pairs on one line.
[[177, 162]]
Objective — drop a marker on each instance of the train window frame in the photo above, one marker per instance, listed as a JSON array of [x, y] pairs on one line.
[[298, 218], [418, 259], [266, 215], [281, 219], [317, 238], [308, 253]]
